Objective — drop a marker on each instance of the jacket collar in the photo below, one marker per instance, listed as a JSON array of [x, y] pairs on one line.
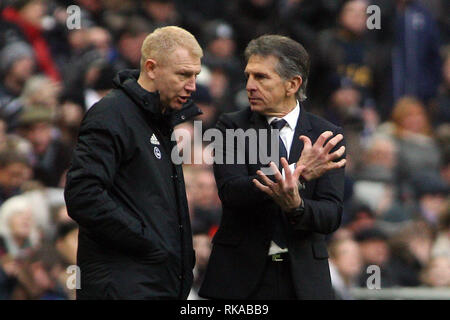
[[302, 128], [126, 80]]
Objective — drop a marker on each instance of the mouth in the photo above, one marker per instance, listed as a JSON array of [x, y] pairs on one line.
[[183, 99], [254, 100]]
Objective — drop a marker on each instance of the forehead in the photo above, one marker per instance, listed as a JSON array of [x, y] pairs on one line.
[[181, 58], [258, 63]]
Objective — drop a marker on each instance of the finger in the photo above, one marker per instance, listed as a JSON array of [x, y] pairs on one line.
[[337, 154], [341, 163], [306, 142], [337, 165], [333, 143], [287, 170], [277, 173], [298, 171], [262, 187], [322, 138], [264, 178]]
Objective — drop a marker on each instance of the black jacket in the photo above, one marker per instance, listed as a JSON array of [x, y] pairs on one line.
[[241, 244], [129, 199]]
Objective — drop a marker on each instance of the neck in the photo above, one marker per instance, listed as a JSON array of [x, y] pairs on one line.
[[19, 240], [13, 85], [148, 85], [287, 107]]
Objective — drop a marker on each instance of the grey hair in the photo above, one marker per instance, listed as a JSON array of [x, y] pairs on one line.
[[293, 60]]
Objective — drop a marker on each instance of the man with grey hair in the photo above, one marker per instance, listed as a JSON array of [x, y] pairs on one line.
[[124, 191], [271, 240]]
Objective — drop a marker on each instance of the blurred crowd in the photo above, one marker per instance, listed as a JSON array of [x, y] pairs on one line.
[[389, 88]]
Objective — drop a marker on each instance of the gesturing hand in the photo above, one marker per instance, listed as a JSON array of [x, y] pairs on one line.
[[317, 159], [285, 191]]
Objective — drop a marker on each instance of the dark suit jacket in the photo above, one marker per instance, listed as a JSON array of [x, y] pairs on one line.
[[242, 241]]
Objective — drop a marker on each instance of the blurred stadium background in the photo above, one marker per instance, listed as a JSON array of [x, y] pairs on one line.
[[389, 88]]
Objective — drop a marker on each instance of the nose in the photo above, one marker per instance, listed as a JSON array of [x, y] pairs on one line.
[[190, 85], [251, 84]]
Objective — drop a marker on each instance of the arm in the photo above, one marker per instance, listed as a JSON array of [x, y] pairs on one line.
[[234, 181], [96, 158], [322, 213]]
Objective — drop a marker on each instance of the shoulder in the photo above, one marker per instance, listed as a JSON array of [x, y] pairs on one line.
[[321, 124], [239, 118], [110, 112]]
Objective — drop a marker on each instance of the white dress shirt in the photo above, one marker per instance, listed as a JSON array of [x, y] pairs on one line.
[[287, 136]]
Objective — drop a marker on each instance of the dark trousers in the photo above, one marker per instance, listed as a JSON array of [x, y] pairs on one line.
[[276, 282]]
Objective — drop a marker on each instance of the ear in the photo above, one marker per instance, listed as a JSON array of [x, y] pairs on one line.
[[293, 85], [150, 66]]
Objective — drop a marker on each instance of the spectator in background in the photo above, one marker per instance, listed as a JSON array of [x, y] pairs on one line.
[[203, 99], [50, 157], [207, 211], [437, 272], [253, 18], [375, 182], [345, 266], [39, 276], [98, 78], [441, 247], [39, 91], [431, 192], [302, 19], [101, 39], [66, 244], [129, 42], [346, 60], [15, 170], [18, 231], [411, 248], [202, 247], [417, 151], [360, 217], [68, 119], [415, 56], [220, 50], [441, 111], [375, 250], [160, 13], [27, 16], [16, 67]]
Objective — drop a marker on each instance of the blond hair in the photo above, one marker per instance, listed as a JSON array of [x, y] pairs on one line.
[[406, 106], [163, 41]]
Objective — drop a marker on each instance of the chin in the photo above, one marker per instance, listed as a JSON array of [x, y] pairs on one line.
[[176, 106], [256, 107]]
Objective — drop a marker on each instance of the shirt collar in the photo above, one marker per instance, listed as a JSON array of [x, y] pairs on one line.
[[291, 118]]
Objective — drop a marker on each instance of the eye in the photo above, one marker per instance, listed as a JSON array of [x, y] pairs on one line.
[[260, 76]]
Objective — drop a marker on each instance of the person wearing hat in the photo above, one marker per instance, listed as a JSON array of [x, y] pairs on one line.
[[51, 157], [26, 16], [16, 67], [375, 251]]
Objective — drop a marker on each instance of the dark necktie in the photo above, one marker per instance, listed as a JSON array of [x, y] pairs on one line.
[[278, 235]]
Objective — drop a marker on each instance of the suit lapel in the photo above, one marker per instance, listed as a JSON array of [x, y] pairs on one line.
[[257, 122], [302, 128]]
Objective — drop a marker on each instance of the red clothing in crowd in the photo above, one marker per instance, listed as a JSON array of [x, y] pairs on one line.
[[36, 39]]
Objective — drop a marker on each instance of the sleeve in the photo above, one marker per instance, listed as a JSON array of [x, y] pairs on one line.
[[96, 158], [234, 181]]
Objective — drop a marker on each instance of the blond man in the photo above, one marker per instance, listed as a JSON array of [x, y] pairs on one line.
[[123, 189]]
